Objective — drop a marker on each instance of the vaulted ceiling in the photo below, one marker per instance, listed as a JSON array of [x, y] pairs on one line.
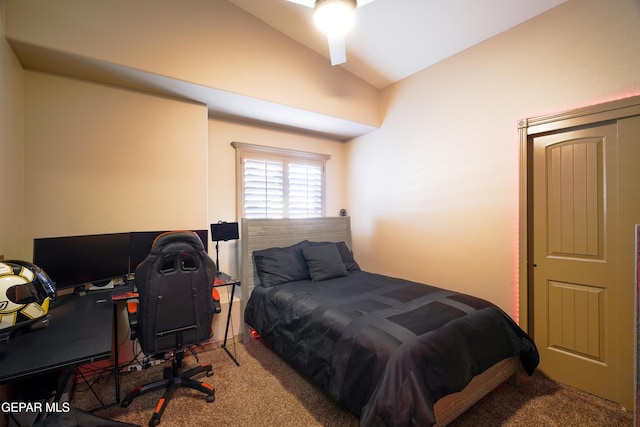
[[393, 39]]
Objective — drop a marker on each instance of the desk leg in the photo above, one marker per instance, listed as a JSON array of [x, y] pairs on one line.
[[226, 332], [65, 376], [116, 355]]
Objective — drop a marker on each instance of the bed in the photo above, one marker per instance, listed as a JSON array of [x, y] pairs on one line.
[[391, 351]]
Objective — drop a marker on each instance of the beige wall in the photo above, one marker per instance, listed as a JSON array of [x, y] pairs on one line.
[[222, 172], [434, 192], [11, 150], [102, 159], [207, 42]]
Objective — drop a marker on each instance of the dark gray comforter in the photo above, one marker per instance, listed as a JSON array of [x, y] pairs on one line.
[[387, 349]]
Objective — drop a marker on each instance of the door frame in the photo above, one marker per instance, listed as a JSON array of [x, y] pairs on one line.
[[528, 129]]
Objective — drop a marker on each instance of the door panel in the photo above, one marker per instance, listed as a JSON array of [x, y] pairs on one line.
[[576, 319], [574, 185]]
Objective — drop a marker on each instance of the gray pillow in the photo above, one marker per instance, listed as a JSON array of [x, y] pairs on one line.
[[280, 265], [347, 257], [346, 254], [324, 262]]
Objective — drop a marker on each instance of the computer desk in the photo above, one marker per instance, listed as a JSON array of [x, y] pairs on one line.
[[80, 331]]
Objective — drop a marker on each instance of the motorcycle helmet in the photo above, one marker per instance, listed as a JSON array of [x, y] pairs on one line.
[[25, 293]]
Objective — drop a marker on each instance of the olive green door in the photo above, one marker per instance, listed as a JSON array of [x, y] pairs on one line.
[[582, 266]]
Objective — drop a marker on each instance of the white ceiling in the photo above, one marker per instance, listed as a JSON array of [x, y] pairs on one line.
[[393, 39]]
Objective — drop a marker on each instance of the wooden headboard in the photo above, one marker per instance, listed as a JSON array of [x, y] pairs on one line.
[[260, 234]]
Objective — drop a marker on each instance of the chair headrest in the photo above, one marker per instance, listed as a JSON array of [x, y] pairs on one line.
[[177, 241]]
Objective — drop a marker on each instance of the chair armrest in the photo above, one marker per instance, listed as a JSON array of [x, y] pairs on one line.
[[132, 313], [217, 307]]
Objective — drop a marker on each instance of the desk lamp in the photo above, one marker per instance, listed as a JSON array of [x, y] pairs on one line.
[[223, 231]]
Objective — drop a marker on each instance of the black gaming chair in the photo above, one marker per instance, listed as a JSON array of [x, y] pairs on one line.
[[176, 306]]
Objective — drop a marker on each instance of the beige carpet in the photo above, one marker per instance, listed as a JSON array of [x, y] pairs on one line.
[[264, 391]]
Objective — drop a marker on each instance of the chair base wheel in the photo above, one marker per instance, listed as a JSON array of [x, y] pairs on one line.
[[172, 379]]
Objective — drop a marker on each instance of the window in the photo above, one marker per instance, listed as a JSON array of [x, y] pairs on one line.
[[278, 183]]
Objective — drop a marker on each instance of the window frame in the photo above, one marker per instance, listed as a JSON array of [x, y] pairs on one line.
[[262, 152]]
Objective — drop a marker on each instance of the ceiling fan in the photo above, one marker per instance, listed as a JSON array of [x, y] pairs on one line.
[[334, 18]]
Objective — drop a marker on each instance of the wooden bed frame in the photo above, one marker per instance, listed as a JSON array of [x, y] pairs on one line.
[[260, 234]]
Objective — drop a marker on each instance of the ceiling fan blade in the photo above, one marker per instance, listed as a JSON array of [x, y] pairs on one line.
[[337, 49], [308, 3], [311, 3]]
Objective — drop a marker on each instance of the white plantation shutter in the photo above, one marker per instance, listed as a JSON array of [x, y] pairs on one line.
[[305, 190], [277, 183], [263, 189]]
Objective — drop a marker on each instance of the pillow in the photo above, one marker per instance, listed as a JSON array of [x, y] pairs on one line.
[[280, 265], [324, 262], [346, 254], [347, 257]]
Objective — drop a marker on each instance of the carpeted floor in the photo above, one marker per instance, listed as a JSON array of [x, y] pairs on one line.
[[264, 391]]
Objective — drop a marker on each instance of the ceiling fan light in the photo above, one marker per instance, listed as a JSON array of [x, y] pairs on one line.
[[334, 17]]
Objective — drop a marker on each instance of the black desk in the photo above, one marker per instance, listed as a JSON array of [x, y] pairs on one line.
[[80, 331]]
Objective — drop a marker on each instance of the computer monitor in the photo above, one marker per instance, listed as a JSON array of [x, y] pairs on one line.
[[140, 245], [75, 261]]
